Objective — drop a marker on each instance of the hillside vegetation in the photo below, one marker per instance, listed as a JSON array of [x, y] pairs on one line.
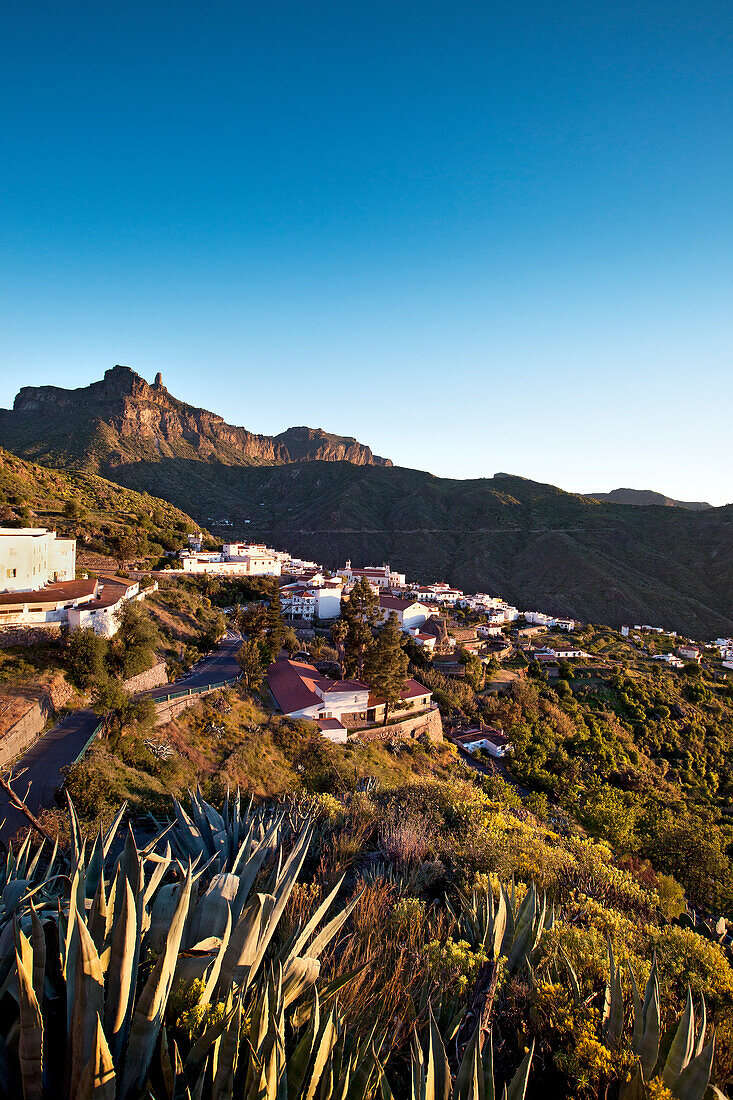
[[104, 517]]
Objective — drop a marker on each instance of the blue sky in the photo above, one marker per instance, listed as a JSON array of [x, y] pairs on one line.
[[478, 237]]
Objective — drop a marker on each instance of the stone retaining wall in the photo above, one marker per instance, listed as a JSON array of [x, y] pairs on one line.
[[28, 635], [144, 681], [166, 710], [25, 730], [409, 729]]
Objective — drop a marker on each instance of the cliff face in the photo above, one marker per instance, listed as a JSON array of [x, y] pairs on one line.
[[123, 419]]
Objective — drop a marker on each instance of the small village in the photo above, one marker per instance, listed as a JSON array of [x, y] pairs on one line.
[[446, 630]]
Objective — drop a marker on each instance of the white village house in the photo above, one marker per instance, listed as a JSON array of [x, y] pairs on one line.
[[300, 691], [410, 613], [32, 557]]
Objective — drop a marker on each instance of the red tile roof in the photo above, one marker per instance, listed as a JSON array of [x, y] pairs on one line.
[[411, 690], [59, 592], [394, 603], [293, 685]]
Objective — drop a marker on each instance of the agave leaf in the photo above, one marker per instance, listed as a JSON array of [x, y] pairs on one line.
[[693, 1081], [213, 976], [334, 926], [638, 1027], [649, 1047], [312, 922], [324, 1044], [284, 888], [38, 943], [30, 1044], [148, 1016], [682, 1045], [518, 1085], [508, 937], [212, 914], [703, 1026], [111, 832], [438, 1077], [88, 1003], [226, 1068], [121, 974], [301, 1056], [614, 1021], [469, 1084], [240, 953], [97, 1081], [636, 1088], [574, 983], [76, 840]]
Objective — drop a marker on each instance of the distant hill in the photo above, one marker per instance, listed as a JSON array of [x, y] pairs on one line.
[[123, 419], [647, 497], [531, 543]]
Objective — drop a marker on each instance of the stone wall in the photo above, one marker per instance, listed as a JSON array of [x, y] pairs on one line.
[[410, 729], [28, 635], [23, 732], [144, 681], [166, 710]]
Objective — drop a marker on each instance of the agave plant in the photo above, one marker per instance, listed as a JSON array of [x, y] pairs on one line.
[[89, 965], [686, 1067], [475, 1077], [503, 928]]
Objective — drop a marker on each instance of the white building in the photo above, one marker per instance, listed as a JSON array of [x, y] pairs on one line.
[[379, 576], [300, 691], [538, 618], [317, 599], [31, 557], [493, 741], [668, 658], [235, 559], [93, 602], [410, 613], [489, 630], [690, 652]]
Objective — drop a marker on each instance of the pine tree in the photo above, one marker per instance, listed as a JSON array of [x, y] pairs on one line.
[[386, 664], [360, 613], [275, 628]]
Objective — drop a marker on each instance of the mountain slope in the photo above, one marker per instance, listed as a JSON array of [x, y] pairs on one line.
[[85, 506], [646, 497], [531, 543], [122, 419]]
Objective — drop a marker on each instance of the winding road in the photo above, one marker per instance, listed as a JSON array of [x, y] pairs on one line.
[[66, 742]]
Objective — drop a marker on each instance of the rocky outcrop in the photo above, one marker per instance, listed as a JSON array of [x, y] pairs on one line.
[[122, 419]]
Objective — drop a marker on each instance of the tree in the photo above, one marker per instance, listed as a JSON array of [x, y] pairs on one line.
[[249, 659], [339, 633], [291, 644], [85, 657], [136, 640], [361, 613], [274, 628], [386, 664], [73, 509], [125, 545], [253, 621]]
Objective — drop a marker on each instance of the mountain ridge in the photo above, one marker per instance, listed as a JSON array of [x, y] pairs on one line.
[[122, 417], [532, 543], [646, 497]]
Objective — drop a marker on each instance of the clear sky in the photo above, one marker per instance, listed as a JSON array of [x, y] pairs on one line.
[[476, 236]]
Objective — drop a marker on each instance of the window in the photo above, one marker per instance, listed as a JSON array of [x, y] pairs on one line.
[[11, 572]]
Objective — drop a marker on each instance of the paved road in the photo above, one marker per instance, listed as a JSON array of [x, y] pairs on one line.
[[64, 742]]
